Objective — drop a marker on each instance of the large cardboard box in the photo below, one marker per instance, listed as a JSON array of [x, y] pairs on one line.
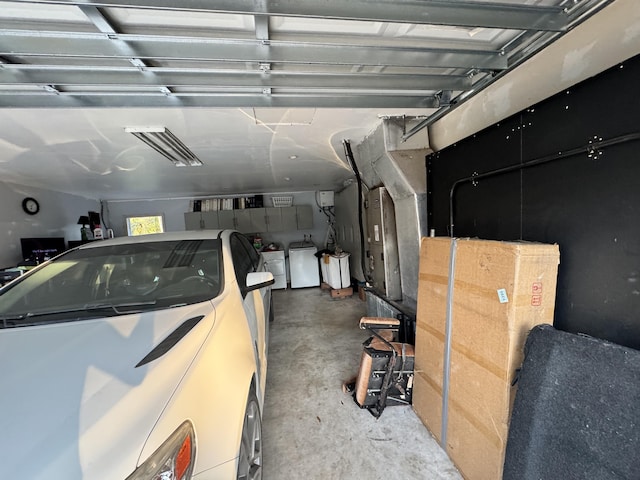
[[499, 291]]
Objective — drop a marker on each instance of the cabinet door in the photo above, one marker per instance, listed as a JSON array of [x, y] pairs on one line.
[[243, 221], [226, 219], [288, 215], [274, 219], [304, 217], [210, 220], [258, 219], [192, 221]]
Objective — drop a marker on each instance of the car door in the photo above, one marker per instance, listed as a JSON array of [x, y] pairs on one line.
[[256, 303]]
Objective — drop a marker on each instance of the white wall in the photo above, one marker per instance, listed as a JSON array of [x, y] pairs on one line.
[[58, 217], [174, 209]]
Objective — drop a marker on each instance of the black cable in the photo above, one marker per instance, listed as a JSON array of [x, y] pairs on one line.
[[104, 224], [592, 148], [354, 167], [323, 210], [330, 222]]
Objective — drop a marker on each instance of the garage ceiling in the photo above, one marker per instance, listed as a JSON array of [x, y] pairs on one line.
[[262, 92]]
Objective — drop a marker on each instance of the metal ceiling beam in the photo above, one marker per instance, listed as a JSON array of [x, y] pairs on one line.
[[56, 75], [56, 44], [103, 24], [99, 20], [434, 12], [262, 28], [262, 34], [137, 99]]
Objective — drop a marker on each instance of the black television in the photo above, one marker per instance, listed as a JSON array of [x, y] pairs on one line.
[[39, 250]]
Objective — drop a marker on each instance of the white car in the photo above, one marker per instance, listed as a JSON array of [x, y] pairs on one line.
[[140, 358]]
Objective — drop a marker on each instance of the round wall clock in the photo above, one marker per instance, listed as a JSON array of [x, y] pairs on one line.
[[30, 206]]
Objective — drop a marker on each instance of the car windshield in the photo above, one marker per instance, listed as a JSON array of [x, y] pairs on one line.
[[113, 280]]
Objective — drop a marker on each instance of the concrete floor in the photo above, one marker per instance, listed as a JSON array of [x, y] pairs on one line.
[[311, 429]]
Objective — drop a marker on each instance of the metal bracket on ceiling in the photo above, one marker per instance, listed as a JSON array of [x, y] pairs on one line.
[[51, 89], [474, 180], [399, 120], [138, 63], [443, 98], [443, 101]]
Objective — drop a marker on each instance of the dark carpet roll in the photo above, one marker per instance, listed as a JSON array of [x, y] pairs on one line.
[[577, 410]]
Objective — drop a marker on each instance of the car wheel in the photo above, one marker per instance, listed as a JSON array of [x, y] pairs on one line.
[[250, 458]]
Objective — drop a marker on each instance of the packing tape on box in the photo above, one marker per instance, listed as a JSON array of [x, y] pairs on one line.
[[447, 345]]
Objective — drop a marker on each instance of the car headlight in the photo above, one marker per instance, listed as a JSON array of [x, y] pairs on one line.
[[173, 460]]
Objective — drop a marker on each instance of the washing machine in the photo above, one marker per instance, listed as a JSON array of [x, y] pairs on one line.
[[303, 265]]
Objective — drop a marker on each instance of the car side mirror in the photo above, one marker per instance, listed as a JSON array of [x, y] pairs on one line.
[[257, 280]]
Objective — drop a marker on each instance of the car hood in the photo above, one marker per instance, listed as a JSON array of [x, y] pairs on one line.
[[73, 404]]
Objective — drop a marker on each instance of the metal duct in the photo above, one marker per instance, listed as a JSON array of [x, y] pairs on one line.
[[386, 160]]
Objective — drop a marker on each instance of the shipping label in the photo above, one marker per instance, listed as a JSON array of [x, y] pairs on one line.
[[502, 296]]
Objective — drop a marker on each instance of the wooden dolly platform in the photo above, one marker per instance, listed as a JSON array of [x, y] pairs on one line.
[[337, 292]]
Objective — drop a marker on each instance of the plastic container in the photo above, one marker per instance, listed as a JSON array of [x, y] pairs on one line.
[[335, 270]]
